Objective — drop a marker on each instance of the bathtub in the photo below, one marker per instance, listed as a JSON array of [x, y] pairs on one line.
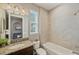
[[54, 49]]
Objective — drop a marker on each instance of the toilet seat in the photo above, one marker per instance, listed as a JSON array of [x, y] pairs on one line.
[[41, 51]]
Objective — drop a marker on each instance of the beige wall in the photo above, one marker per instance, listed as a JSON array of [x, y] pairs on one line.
[[43, 21], [64, 26], [43, 25]]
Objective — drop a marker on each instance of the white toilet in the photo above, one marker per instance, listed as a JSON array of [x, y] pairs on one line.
[[39, 51]]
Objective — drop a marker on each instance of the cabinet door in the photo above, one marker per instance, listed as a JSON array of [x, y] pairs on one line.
[[25, 51]]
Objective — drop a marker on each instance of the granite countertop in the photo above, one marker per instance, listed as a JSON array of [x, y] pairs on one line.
[[15, 47]]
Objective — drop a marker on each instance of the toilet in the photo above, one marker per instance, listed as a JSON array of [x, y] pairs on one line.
[[39, 51]]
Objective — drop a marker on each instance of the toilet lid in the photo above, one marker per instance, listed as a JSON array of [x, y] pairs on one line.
[[41, 51]]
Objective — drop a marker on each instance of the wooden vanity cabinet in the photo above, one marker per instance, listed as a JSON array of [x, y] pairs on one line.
[[25, 51]]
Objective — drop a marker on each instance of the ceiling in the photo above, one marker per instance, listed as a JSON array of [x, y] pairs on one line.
[[47, 6]]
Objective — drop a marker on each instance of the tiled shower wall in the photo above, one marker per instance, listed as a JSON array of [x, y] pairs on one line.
[[64, 26]]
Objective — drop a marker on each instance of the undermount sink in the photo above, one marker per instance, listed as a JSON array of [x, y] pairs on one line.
[[16, 46]]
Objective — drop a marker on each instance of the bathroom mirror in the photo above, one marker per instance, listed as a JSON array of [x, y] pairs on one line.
[[15, 27]]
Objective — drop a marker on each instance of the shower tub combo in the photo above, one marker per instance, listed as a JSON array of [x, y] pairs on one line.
[[54, 49]]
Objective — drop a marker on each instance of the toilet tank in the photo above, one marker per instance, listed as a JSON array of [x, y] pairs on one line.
[[36, 44]]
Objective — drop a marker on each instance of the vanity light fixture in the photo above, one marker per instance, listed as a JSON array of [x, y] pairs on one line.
[[9, 7], [15, 9]]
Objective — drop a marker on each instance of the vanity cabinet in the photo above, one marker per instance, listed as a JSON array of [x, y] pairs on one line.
[[25, 51]]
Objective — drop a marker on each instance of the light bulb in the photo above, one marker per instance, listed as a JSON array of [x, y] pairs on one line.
[[22, 11], [16, 9], [9, 8]]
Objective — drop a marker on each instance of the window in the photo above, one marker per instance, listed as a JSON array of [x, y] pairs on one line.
[[33, 22]]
